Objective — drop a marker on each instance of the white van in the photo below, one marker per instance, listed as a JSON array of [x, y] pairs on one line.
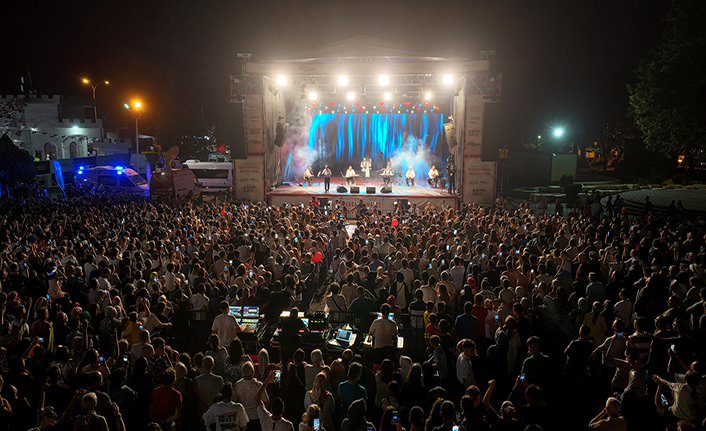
[[214, 177], [112, 178], [174, 183]]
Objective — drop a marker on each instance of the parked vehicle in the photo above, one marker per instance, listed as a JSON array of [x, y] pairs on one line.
[[214, 177], [112, 178]]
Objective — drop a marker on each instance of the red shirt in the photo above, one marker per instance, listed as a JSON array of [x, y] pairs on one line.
[[481, 314], [165, 400], [430, 330]]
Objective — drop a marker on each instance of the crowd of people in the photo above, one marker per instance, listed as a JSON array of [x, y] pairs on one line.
[[116, 315]]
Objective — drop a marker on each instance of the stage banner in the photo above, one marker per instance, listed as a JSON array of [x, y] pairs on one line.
[[250, 178], [254, 123], [473, 125], [478, 181]]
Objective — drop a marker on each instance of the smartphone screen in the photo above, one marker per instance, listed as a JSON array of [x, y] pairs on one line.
[[278, 376], [395, 417], [316, 424]]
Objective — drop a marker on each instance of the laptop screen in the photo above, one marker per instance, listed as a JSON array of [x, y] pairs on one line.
[[306, 322], [390, 316], [344, 335]]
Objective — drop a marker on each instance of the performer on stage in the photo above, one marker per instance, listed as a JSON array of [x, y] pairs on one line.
[[365, 166], [433, 177], [387, 175], [309, 176], [350, 176], [326, 173], [410, 176], [452, 177]]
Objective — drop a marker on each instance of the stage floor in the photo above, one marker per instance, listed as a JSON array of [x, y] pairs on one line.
[[302, 193]]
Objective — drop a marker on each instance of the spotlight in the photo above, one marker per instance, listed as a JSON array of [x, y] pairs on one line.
[[351, 96], [384, 80], [448, 79], [427, 96], [387, 96], [343, 80], [312, 96], [558, 132], [281, 80]]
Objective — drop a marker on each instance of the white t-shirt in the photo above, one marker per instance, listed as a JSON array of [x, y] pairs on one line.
[[464, 369], [227, 416], [385, 332], [226, 327], [245, 391], [269, 424]]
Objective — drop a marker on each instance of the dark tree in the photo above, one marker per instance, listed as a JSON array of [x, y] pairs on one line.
[[669, 99], [16, 165]]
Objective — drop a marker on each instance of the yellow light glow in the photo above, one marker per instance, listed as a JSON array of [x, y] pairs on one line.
[[106, 82], [85, 81], [138, 104]]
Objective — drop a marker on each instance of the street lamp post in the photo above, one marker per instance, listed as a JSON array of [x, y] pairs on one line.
[[136, 111], [93, 88]]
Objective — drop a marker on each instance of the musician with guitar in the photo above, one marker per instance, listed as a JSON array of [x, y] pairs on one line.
[[433, 179], [309, 176], [409, 177]]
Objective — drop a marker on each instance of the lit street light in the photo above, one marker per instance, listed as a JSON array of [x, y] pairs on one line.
[[136, 110], [93, 87]]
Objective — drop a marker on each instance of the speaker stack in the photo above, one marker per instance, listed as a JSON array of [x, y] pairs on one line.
[[355, 189], [370, 190]]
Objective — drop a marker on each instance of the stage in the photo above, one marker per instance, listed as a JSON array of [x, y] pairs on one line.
[[300, 192]]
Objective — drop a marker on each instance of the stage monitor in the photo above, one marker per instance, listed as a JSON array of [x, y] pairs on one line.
[[492, 135], [386, 189], [341, 189], [251, 311], [344, 335], [355, 189], [370, 190]]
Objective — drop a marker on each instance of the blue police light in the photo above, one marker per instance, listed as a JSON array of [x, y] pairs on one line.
[[120, 172], [80, 172], [80, 168]]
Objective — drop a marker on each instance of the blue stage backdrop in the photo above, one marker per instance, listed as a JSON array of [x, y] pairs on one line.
[[340, 140]]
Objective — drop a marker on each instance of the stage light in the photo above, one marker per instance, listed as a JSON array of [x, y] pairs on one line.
[[384, 80], [351, 96], [426, 103], [436, 107], [333, 103], [387, 96], [406, 103], [343, 80], [281, 80], [427, 96], [559, 132], [448, 79], [383, 108], [312, 96], [357, 103]]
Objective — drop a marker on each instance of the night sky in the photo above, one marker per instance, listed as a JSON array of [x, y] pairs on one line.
[[563, 61]]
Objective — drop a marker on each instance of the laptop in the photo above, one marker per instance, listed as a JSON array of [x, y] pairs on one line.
[[344, 336]]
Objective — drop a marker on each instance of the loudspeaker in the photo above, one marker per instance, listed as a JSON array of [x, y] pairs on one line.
[[492, 135], [355, 189], [386, 189], [341, 189], [370, 190], [450, 131], [323, 202], [281, 131]]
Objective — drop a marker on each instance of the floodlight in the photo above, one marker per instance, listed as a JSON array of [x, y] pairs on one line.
[[559, 132], [427, 96], [281, 80], [343, 80], [312, 96], [384, 80], [387, 96], [448, 79], [351, 96]]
